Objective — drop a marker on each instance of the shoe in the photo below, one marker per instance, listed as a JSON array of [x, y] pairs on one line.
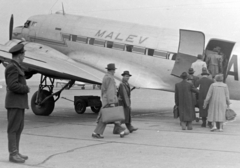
[[213, 129], [16, 159], [122, 134], [133, 129], [23, 156], [189, 128], [98, 136], [117, 129], [220, 130], [183, 125]]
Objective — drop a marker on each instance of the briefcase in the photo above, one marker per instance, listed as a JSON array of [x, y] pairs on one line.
[[112, 114], [175, 111]]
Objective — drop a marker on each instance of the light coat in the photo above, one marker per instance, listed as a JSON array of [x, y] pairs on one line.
[[218, 100]]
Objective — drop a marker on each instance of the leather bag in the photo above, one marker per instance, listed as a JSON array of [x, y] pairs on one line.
[[112, 114], [230, 114], [175, 111]]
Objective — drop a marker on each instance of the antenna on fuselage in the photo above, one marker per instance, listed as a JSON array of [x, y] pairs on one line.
[[63, 9]]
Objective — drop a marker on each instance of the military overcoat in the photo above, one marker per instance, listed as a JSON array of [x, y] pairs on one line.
[[16, 87]]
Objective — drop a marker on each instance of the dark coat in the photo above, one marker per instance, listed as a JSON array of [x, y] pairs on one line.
[[124, 96], [204, 84], [16, 86], [184, 100]]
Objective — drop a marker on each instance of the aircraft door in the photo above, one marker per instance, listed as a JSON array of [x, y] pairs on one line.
[[191, 43]]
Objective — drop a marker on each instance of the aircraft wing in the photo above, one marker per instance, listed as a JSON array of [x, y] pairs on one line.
[[52, 63]]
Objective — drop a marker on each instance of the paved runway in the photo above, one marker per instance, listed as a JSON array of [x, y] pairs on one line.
[[63, 140]]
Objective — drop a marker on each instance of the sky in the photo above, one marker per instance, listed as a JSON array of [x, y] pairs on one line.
[[216, 17]]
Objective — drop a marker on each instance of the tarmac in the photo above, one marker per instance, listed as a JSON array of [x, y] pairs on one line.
[[63, 139]]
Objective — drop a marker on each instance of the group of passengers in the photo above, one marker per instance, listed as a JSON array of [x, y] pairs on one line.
[[203, 87]]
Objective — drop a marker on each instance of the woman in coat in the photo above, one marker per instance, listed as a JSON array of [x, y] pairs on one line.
[[218, 100]]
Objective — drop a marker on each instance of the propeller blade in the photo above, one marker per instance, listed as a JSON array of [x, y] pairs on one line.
[[11, 28]]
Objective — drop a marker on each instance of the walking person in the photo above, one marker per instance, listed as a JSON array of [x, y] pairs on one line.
[[124, 96], [184, 101], [218, 100], [109, 98], [16, 102], [198, 65], [203, 84]]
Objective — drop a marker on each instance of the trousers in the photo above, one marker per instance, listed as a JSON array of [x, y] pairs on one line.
[[15, 118], [101, 126]]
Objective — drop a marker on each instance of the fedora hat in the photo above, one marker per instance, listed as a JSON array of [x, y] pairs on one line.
[[204, 71], [191, 71], [184, 75], [199, 56], [111, 66], [126, 73]]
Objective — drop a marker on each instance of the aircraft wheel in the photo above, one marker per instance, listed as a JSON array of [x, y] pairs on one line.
[[46, 108], [80, 107], [96, 109]]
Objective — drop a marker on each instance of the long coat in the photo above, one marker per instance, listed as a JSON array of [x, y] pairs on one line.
[[124, 96], [16, 86], [108, 90], [218, 100], [214, 63], [203, 84], [184, 100]]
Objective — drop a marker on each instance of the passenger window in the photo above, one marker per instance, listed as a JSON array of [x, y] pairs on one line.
[[160, 54], [118, 46], [109, 44], [81, 39], [129, 48], [100, 43], [27, 23], [138, 50], [150, 52], [91, 41]]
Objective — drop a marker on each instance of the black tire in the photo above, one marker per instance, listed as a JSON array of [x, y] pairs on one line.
[[46, 108], [96, 109], [80, 107]]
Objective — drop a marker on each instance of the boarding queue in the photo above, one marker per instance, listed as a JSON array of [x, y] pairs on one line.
[[203, 88]]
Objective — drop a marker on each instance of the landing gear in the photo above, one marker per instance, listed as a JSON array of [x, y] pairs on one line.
[[43, 102]]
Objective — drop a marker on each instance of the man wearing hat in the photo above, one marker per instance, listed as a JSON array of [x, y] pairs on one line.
[[16, 102], [124, 96], [184, 101], [204, 83], [198, 65], [109, 98]]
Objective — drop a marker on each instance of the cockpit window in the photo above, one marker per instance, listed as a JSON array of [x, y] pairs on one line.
[[27, 23], [34, 24]]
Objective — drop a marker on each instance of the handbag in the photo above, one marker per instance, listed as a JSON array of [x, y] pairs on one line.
[[112, 114], [175, 111], [230, 114]]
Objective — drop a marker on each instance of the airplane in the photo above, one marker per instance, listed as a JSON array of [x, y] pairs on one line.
[[78, 48]]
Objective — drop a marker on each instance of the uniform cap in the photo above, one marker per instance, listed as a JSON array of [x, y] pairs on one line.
[[17, 49]]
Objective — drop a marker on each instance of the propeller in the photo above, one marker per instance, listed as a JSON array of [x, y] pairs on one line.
[[11, 27]]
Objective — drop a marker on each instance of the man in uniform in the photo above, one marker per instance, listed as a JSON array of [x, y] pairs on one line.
[[109, 98], [16, 102]]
